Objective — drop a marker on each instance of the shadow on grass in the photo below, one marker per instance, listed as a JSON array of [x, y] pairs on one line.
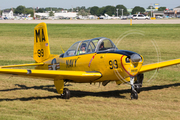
[[78, 93]]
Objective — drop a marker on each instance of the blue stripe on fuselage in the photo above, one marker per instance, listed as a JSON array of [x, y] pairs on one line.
[[122, 52]]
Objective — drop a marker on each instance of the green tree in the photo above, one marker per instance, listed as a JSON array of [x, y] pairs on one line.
[[20, 9], [110, 10], [51, 13], [101, 11], [77, 9], [161, 8], [83, 7], [59, 9], [138, 9], [48, 9], [40, 10], [120, 7], [94, 10], [83, 12], [149, 7], [29, 11]]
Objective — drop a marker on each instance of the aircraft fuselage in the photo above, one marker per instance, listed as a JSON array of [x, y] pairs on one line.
[[113, 65]]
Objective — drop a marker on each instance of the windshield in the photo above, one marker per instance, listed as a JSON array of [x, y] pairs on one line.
[[106, 45], [72, 50], [90, 46]]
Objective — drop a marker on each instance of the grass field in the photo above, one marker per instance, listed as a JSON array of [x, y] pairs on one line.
[[35, 99]]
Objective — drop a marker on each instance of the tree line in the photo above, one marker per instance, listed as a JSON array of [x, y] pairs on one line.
[[95, 10], [22, 10], [120, 9]]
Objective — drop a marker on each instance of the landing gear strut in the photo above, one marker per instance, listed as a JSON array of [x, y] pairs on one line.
[[134, 93], [138, 83], [66, 93]]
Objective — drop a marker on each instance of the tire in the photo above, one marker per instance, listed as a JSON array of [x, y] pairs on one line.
[[66, 93], [134, 95]]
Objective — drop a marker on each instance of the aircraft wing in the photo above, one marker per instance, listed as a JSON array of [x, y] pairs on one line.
[[75, 76], [149, 67], [22, 65]]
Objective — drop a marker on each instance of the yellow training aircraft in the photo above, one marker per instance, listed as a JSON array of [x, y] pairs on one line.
[[88, 61]]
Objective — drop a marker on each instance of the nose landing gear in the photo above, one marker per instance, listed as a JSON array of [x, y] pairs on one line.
[[136, 86], [134, 93]]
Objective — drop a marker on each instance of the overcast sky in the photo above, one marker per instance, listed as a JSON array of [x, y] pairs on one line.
[[87, 3]]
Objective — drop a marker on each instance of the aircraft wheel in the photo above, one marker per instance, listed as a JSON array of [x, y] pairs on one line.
[[134, 95], [66, 93]]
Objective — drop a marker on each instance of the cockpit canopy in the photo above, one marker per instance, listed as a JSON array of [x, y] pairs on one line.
[[90, 46]]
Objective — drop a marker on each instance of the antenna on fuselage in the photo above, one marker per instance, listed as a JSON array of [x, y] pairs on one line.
[[62, 49]]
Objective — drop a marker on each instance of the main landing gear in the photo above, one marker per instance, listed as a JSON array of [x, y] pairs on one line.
[[66, 93]]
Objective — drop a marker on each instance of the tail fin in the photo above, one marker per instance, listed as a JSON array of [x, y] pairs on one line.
[[41, 43]]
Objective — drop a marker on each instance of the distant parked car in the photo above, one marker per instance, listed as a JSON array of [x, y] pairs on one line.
[[168, 17], [123, 17], [178, 16], [140, 17], [130, 16], [5, 18], [159, 17]]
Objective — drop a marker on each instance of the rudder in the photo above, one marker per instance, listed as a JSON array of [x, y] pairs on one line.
[[41, 43]]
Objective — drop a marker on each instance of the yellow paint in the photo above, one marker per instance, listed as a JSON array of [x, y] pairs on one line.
[[59, 84], [22, 65], [41, 43], [62, 49], [84, 68], [153, 18], [154, 66]]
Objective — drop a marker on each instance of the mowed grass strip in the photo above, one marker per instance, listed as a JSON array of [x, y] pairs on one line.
[[27, 98]]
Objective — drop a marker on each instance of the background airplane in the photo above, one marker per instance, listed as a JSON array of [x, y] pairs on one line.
[[88, 61]]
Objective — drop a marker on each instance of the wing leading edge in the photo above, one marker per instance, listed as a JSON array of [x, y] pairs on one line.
[[76, 76], [149, 67], [22, 65]]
